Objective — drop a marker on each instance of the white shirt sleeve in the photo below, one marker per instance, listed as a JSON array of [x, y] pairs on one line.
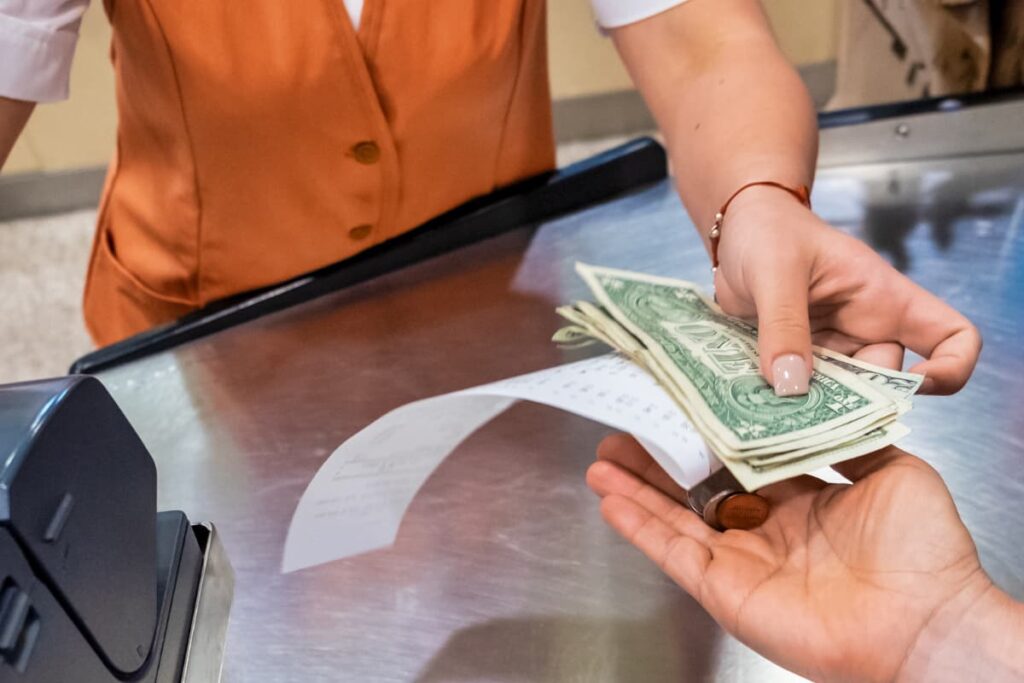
[[37, 43], [615, 13]]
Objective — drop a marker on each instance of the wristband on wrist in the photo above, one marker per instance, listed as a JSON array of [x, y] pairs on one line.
[[801, 192]]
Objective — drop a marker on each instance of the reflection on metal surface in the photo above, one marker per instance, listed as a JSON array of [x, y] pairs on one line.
[[886, 204], [503, 569], [205, 654]]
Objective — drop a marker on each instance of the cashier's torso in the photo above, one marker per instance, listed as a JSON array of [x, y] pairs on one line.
[[261, 140]]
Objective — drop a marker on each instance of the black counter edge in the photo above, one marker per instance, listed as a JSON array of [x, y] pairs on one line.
[[604, 176], [932, 105]]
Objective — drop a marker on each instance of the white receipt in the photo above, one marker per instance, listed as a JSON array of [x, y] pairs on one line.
[[356, 501]]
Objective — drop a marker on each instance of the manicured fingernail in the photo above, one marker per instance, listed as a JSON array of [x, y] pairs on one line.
[[790, 375], [927, 386]]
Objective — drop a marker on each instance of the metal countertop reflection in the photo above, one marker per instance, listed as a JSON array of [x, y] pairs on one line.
[[503, 569]]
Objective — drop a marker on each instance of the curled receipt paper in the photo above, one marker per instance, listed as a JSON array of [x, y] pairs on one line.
[[356, 501]]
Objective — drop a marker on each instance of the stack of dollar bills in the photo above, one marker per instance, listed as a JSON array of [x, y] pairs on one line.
[[708, 362]]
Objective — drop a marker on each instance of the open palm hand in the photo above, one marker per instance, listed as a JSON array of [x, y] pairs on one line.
[[841, 581]]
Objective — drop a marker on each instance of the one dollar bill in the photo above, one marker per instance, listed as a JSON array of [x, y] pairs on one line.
[[708, 362]]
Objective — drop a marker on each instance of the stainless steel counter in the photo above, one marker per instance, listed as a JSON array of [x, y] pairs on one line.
[[503, 570]]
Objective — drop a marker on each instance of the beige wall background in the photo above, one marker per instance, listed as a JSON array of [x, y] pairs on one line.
[[79, 133], [583, 62]]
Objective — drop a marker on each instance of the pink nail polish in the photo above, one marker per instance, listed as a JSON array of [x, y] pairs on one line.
[[790, 374]]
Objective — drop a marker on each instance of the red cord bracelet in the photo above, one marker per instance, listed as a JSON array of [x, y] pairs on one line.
[[801, 192]]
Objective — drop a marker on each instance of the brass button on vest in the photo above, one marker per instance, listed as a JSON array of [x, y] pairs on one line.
[[360, 231], [366, 152]]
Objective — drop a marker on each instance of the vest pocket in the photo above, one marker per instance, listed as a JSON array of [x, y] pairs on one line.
[[117, 304]]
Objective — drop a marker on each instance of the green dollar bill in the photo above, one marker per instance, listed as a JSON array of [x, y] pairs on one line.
[[712, 358], [892, 382], [753, 478]]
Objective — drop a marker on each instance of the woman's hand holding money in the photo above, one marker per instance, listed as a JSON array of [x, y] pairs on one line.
[[803, 280], [734, 112]]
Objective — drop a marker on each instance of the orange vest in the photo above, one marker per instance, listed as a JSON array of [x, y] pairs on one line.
[[261, 139]]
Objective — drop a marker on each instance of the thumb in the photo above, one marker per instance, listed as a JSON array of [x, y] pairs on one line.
[[784, 330]]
